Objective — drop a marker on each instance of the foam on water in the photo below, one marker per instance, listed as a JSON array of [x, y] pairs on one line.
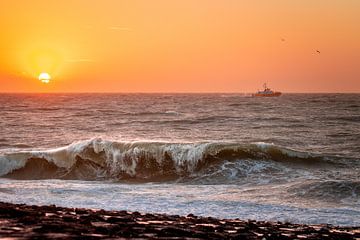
[[147, 159], [223, 201]]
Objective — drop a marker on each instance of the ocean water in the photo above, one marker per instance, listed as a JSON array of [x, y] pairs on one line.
[[293, 158]]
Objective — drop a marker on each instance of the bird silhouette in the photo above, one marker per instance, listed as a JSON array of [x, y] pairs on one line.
[[318, 51]]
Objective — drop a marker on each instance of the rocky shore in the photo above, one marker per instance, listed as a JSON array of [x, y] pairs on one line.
[[19, 221]]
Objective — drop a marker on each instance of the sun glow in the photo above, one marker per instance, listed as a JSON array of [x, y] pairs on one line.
[[126, 46], [44, 77]]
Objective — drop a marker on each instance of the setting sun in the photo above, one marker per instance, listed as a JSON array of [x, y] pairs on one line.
[[44, 77]]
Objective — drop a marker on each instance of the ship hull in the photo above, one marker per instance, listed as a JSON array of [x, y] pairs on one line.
[[275, 94]]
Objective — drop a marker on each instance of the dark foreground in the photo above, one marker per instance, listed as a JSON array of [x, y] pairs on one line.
[[20, 221]]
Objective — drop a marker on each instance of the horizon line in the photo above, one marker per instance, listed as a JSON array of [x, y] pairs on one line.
[[172, 92]]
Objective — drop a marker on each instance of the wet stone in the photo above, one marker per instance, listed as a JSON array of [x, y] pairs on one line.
[[19, 221]]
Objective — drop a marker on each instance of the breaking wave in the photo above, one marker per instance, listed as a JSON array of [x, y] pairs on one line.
[[144, 161]]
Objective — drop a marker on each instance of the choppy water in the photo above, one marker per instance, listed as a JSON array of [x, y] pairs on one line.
[[293, 158]]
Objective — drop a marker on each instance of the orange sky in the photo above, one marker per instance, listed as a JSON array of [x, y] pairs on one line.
[[180, 45]]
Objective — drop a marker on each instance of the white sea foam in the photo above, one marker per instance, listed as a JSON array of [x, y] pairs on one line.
[[149, 158]]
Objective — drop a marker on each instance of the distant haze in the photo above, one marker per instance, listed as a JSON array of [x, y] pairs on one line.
[[180, 45]]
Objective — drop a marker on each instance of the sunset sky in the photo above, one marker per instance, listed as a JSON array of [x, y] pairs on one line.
[[180, 45]]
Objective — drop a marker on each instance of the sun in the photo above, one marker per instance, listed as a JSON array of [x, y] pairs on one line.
[[44, 77]]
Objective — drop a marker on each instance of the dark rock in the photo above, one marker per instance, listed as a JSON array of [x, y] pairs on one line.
[[19, 221]]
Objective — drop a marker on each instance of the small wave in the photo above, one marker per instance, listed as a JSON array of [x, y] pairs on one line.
[[8, 145], [235, 104], [329, 191], [186, 121], [346, 118], [169, 112], [172, 113], [2, 145], [46, 109], [353, 106], [97, 158], [6, 191]]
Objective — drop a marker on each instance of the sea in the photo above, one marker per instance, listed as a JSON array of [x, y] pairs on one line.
[[293, 158]]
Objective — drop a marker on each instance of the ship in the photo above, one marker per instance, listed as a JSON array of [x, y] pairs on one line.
[[267, 92]]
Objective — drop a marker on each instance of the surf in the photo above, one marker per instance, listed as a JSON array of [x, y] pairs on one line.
[[103, 159]]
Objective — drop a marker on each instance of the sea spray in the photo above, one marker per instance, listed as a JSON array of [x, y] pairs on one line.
[[148, 159]]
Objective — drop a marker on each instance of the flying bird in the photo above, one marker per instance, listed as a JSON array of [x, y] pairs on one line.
[[318, 51]]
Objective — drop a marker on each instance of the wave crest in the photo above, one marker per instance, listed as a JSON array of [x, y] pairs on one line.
[[98, 159]]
